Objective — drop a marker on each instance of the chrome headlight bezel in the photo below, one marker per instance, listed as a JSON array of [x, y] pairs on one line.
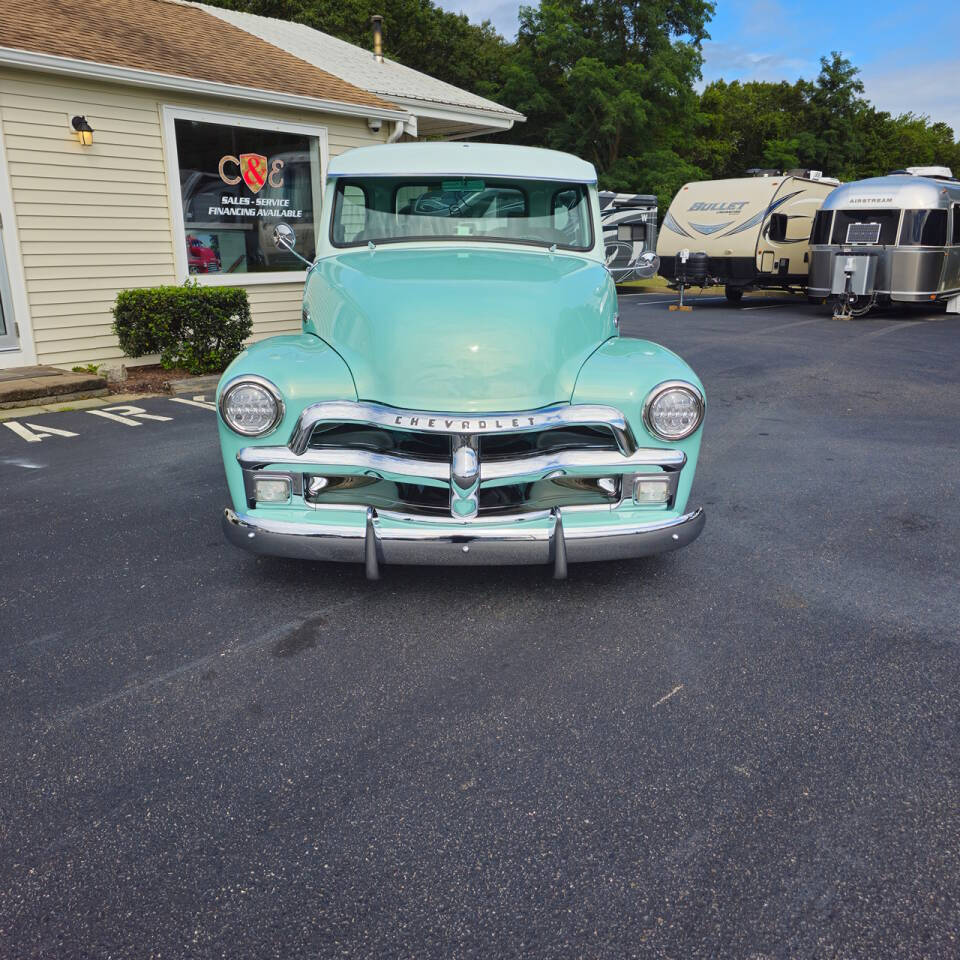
[[658, 391], [249, 379]]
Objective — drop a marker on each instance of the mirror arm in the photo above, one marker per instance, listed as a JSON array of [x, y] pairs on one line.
[[286, 246]]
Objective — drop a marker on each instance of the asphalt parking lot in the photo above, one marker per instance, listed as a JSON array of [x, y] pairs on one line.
[[746, 749]]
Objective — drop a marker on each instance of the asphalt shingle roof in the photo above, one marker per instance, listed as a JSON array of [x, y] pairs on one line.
[[388, 79], [170, 38]]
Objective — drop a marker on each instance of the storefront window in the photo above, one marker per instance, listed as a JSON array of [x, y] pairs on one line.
[[236, 184]]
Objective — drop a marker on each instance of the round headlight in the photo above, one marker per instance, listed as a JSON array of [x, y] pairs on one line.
[[251, 406], [673, 410]]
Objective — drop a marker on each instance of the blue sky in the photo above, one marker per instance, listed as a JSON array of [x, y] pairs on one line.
[[908, 53]]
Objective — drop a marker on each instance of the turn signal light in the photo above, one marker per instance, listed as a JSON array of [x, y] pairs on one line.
[[271, 489], [648, 490]]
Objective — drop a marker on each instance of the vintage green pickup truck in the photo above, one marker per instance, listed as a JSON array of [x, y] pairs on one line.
[[459, 393]]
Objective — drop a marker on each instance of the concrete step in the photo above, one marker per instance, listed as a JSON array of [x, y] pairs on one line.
[[31, 386], [203, 384]]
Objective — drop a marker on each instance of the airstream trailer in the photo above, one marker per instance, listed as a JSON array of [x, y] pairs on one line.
[[889, 239], [749, 233]]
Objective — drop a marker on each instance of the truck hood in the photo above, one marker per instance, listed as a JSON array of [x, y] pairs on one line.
[[462, 330]]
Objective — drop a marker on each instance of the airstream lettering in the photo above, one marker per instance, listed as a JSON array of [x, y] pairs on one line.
[[888, 239]]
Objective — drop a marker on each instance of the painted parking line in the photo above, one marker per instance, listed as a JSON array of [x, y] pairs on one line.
[[793, 323], [891, 329], [197, 401], [653, 303]]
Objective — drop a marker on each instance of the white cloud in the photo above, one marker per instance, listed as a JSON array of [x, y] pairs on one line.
[[732, 62], [920, 89], [502, 15]]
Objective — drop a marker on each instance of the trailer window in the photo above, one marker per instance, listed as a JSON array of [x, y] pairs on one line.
[[956, 223], [889, 220], [821, 227], [925, 228]]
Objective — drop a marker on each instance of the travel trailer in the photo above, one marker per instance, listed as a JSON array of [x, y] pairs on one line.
[[629, 222], [889, 239], [748, 233]]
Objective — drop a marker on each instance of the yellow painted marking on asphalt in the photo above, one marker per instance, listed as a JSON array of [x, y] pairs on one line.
[[672, 693], [125, 415], [34, 434]]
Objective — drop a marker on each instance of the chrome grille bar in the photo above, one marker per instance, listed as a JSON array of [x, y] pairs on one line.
[[521, 470], [430, 421]]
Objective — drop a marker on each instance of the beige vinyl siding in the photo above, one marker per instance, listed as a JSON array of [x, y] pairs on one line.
[[94, 221]]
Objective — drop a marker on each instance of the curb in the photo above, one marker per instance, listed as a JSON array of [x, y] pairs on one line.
[[16, 413]]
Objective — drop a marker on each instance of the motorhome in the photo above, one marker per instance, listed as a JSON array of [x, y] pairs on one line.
[[889, 239], [629, 223], [744, 234]]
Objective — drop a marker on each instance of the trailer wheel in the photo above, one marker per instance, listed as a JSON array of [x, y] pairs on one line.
[[733, 294]]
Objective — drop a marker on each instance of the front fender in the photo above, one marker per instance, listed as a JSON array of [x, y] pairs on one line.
[[304, 369], [621, 373]]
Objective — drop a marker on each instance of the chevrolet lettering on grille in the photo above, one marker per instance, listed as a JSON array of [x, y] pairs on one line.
[[448, 425]]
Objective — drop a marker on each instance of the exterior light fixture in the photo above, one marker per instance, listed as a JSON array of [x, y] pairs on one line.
[[83, 130]]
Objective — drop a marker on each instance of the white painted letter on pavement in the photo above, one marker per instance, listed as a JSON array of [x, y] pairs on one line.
[[125, 414], [33, 433]]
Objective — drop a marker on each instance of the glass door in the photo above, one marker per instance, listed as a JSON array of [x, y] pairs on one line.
[[8, 329]]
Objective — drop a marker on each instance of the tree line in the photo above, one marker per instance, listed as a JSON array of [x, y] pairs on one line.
[[615, 82]]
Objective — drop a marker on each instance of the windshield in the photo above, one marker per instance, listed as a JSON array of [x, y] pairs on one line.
[[394, 210]]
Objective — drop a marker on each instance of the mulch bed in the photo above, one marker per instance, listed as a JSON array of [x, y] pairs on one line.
[[149, 379]]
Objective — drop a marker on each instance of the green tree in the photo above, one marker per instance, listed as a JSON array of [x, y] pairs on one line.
[[611, 82]]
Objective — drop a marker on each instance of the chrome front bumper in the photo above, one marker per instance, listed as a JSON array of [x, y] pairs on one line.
[[381, 537]]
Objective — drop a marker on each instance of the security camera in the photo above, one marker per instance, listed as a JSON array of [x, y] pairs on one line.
[[375, 123]]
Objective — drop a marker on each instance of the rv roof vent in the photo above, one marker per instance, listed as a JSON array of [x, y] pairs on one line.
[[930, 172], [761, 172]]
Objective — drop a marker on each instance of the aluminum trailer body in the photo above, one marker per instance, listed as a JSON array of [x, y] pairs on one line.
[[897, 238]]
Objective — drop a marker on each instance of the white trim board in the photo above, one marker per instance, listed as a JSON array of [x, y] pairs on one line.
[[171, 163], [25, 354]]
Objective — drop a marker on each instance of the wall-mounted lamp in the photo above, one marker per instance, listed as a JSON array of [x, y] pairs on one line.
[[83, 130]]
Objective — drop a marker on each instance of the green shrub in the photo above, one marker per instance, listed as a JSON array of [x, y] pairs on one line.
[[200, 329]]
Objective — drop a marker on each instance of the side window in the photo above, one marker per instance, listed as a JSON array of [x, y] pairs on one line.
[[352, 218], [571, 217], [956, 224], [777, 227], [821, 227], [926, 228]]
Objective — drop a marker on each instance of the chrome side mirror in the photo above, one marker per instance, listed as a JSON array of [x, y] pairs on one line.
[[283, 236], [647, 265]]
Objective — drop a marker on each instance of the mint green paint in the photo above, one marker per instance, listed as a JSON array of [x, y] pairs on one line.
[[476, 329], [305, 370], [463, 327], [621, 373]]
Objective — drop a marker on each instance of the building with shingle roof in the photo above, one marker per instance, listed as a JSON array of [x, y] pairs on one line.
[[197, 117]]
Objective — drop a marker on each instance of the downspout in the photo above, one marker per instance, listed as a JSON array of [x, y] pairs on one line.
[[398, 126]]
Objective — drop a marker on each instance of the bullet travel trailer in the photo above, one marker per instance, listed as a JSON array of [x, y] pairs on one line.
[[889, 239], [629, 222], [749, 233]]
